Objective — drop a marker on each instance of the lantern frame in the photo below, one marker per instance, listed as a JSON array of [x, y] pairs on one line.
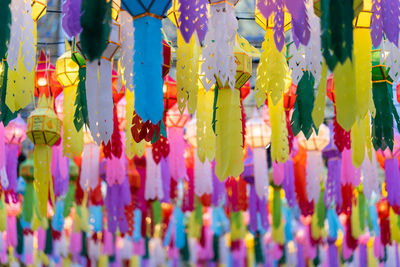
[[115, 9], [67, 70], [39, 9], [315, 142], [258, 133]]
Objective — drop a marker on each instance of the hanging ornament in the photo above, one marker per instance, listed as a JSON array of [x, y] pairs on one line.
[[127, 51], [71, 12], [43, 130], [258, 137], [314, 172], [219, 44], [385, 19]]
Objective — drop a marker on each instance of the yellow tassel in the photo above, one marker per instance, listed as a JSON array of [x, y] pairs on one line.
[[319, 103], [42, 174], [355, 221], [279, 134], [205, 134], [271, 71], [66, 262], [315, 230], [3, 215], [345, 92], [359, 140], [250, 250], [72, 139], [363, 66], [394, 228], [187, 73], [228, 131], [372, 260], [103, 261], [134, 261], [278, 234]]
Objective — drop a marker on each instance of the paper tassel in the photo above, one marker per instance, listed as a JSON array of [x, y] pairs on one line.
[[370, 173], [279, 134], [6, 115], [115, 172], [12, 151], [392, 174], [349, 174], [384, 19], [81, 107], [127, 51], [177, 146], [28, 204], [99, 100], [314, 174], [360, 140], [261, 180], [118, 196], [382, 123], [153, 186], [148, 77], [278, 173], [301, 118], [205, 133], [72, 139], [187, 73], [288, 183], [336, 32], [319, 103], [333, 193], [90, 166], [5, 27], [71, 12], [42, 174], [271, 72], [345, 94], [229, 150], [193, 17], [202, 177], [219, 43], [95, 22]]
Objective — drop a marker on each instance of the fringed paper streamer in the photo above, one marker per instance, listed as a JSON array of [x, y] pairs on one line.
[[131, 147], [42, 174], [177, 146], [71, 12], [118, 196], [219, 43], [81, 107], [18, 17], [355, 220], [193, 17], [333, 193], [253, 224], [202, 177], [271, 72], [148, 77], [127, 51], [28, 203], [153, 186], [360, 138], [99, 100], [115, 170], [288, 183], [300, 26], [261, 179], [297, 63], [276, 208], [12, 231], [394, 226], [336, 31], [370, 174], [229, 149], [390, 54], [345, 94], [11, 164], [349, 174], [5, 13], [72, 139], [363, 66], [382, 123], [5, 113], [341, 136], [319, 104], [392, 174], [28, 248], [279, 134], [301, 118], [314, 174], [69, 198], [278, 173], [385, 19], [187, 73], [204, 117], [93, 250], [95, 22]]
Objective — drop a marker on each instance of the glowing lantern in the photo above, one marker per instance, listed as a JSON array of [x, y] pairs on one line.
[[330, 89], [170, 92], [67, 69], [15, 131], [44, 128], [115, 9], [289, 97], [191, 132], [39, 8], [45, 78], [258, 136], [315, 168]]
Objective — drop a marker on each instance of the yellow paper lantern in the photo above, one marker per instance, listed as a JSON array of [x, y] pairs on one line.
[[115, 9], [315, 142], [258, 133], [39, 8], [173, 13], [363, 20], [67, 69]]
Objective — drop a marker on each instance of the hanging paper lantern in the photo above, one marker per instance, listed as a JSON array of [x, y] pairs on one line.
[[16, 131], [67, 69], [115, 9], [315, 168], [43, 129], [269, 23], [45, 78], [258, 137], [39, 8], [170, 92]]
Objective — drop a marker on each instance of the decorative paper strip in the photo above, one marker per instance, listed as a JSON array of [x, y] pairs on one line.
[[187, 73], [80, 105], [385, 19], [333, 192], [392, 174], [42, 174], [115, 170], [261, 179], [288, 183], [153, 186], [18, 19], [314, 174], [370, 173], [271, 72], [5, 113], [279, 134], [300, 26], [71, 12], [363, 66], [297, 62], [360, 140], [350, 174], [193, 17], [229, 140], [127, 51], [390, 54], [204, 117], [99, 100], [319, 104], [72, 139], [345, 93], [177, 145], [147, 76], [5, 27], [219, 43], [90, 166]]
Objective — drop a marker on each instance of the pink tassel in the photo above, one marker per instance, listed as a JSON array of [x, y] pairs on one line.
[[138, 247], [379, 249], [12, 231], [107, 243], [279, 172], [42, 239], [350, 175], [75, 243], [115, 170], [2, 146], [177, 150]]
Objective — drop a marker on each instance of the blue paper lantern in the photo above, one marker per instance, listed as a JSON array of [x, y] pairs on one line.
[[147, 16]]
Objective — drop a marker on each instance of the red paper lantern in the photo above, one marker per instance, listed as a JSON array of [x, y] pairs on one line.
[[170, 92], [330, 89], [382, 208], [167, 58], [46, 78]]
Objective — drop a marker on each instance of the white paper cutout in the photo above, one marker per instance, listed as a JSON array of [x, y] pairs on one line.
[[219, 43], [127, 51], [90, 166], [153, 186], [202, 176], [261, 180], [314, 173], [16, 29], [370, 173]]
